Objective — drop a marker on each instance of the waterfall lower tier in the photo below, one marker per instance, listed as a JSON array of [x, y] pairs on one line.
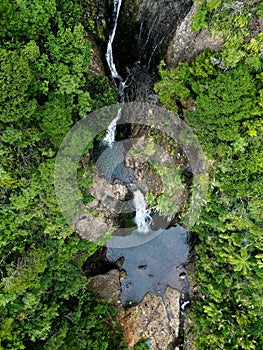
[[143, 218], [111, 166]]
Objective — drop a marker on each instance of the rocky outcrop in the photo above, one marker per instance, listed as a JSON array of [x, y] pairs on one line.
[[99, 217], [144, 30], [146, 26], [155, 318], [186, 44], [96, 65]]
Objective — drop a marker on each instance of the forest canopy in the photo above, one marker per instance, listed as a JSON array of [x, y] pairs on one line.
[[220, 95], [46, 86]]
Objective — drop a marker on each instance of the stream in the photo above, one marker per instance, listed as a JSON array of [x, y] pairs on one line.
[[142, 213], [152, 258]]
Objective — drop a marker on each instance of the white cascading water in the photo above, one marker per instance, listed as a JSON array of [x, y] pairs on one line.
[[109, 53], [142, 217], [109, 139]]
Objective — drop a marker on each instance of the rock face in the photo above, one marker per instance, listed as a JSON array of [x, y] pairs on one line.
[[143, 31], [147, 25], [100, 215], [96, 66], [186, 44], [155, 318]]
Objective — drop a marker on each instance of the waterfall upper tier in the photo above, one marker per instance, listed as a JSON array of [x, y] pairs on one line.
[[144, 30]]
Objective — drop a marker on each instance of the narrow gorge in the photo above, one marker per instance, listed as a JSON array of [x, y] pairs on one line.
[[151, 257]]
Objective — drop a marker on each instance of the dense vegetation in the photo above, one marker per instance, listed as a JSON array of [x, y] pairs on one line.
[[45, 87], [220, 95]]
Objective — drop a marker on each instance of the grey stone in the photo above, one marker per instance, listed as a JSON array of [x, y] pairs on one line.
[[186, 44]]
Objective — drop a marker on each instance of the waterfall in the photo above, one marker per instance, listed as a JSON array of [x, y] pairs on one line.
[[142, 216], [109, 53], [109, 139]]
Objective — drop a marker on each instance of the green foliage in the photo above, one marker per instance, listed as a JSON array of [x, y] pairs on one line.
[[176, 80], [93, 18], [167, 201], [142, 345], [46, 303], [232, 20], [18, 83], [46, 86], [226, 114], [26, 18], [178, 84], [199, 21]]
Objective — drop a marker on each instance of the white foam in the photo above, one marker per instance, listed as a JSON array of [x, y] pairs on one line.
[[111, 131], [109, 53], [143, 218]]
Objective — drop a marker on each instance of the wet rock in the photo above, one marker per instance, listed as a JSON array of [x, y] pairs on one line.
[[145, 27], [98, 264], [186, 44], [107, 287], [90, 227], [155, 318], [96, 65]]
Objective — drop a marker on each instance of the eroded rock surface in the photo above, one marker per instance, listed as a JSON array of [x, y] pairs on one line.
[[101, 213], [107, 287], [156, 318], [186, 44]]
